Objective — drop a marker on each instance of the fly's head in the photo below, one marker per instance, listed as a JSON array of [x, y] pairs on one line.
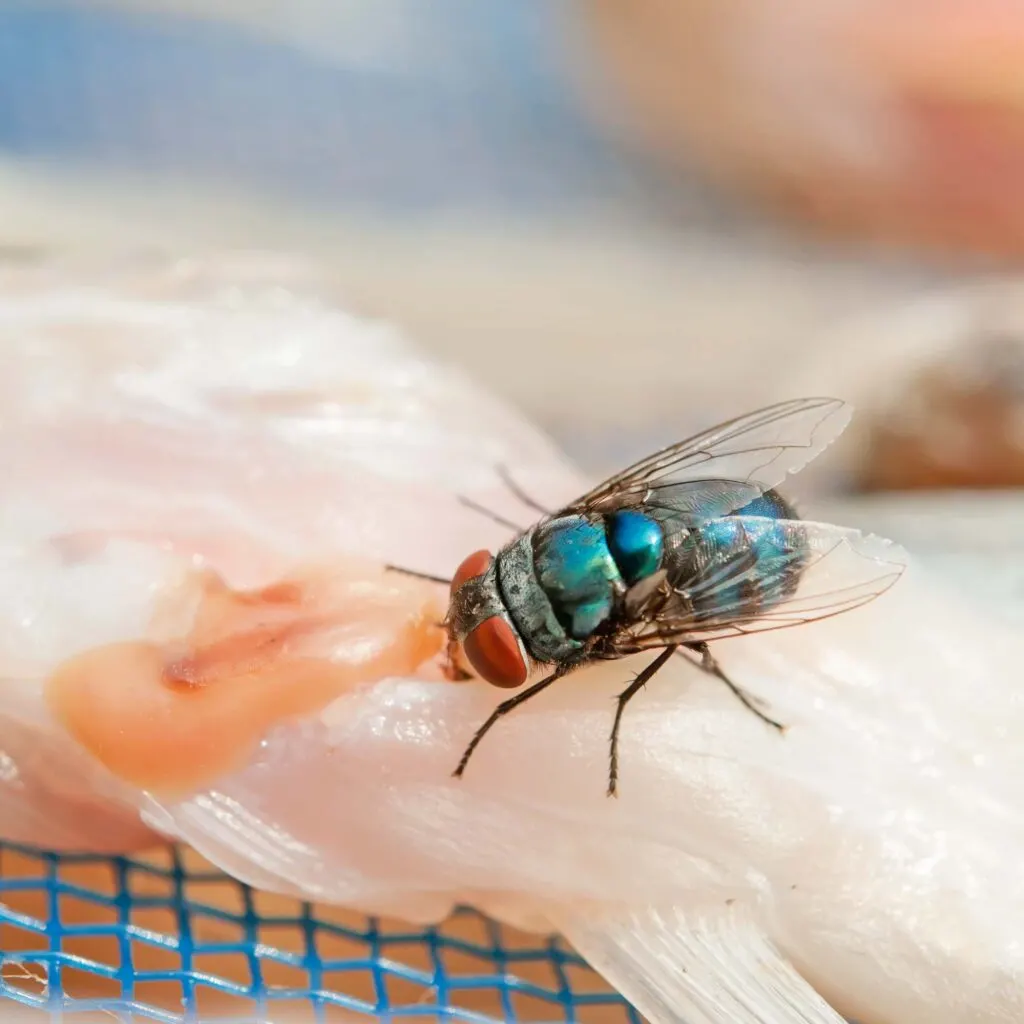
[[478, 620]]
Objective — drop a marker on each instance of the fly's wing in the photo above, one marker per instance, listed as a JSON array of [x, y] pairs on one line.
[[722, 469], [821, 570]]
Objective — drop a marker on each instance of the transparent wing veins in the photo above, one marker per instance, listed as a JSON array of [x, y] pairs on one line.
[[755, 452]]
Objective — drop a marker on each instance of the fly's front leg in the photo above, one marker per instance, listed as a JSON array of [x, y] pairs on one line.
[[510, 705], [711, 666], [450, 667], [418, 575], [453, 671]]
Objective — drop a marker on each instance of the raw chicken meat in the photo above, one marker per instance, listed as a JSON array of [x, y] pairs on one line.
[[150, 508], [207, 463]]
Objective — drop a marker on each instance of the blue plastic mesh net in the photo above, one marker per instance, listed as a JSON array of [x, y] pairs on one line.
[[165, 937]]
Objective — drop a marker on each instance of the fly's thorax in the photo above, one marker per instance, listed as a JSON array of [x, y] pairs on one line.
[[636, 541], [568, 580], [576, 570], [529, 605]]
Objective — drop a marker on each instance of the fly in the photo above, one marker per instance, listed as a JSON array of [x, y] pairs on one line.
[[686, 547]]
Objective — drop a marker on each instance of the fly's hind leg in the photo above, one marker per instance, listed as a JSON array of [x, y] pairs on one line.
[[621, 701], [711, 666]]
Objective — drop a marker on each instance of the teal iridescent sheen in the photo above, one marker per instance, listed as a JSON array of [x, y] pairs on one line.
[[769, 540], [767, 505], [587, 617], [637, 544], [577, 572]]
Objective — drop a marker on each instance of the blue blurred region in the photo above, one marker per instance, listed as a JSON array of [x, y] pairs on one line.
[[421, 104]]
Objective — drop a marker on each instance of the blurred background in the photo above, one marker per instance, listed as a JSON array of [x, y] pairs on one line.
[[628, 219], [673, 206], [631, 218]]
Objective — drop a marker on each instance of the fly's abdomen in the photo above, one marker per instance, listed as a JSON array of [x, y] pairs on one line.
[[744, 560]]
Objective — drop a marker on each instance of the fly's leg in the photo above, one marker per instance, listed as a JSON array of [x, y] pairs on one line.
[[620, 706], [509, 482], [493, 516], [504, 708], [450, 666], [419, 575], [711, 666], [452, 670], [517, 492]]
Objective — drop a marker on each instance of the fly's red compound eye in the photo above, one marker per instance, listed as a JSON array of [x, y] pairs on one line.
[[475, 565], [494, 651]]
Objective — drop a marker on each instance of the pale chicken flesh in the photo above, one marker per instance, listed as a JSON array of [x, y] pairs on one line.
[[207, 465]]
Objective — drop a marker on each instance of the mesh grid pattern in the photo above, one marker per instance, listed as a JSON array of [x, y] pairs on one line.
[[166, 937]]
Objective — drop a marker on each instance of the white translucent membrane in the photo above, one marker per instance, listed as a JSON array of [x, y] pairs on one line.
[[875, 848]]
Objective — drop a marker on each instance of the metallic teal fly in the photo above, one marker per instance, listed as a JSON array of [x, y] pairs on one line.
[[688, 546]]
